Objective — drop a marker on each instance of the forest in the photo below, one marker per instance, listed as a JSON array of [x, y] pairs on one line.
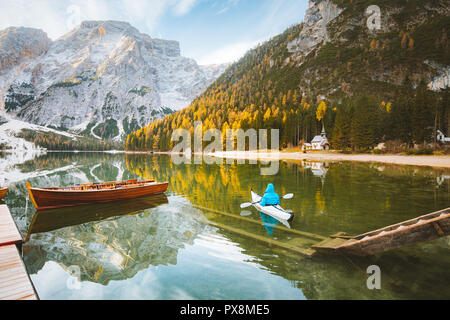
[[365, 90], [55, 142], [352, 124]]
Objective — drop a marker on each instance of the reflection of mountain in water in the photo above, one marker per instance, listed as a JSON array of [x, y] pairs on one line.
[[50, 220], [113, 249], [117, 249]]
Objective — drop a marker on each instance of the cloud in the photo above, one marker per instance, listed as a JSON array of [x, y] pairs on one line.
[[227, 6], [263, 20], [35, 14], [229, 53], [184, 6], [58, 17]]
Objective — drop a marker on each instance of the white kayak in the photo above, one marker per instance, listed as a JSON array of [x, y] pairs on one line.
[[276, 211]]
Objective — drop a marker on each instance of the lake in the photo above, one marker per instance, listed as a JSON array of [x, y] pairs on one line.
[[182, 245]]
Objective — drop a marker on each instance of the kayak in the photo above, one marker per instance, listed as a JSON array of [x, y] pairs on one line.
[[276, 211]]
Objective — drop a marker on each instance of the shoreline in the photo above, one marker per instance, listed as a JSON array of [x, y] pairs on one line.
[[441, 161], [424, 161]]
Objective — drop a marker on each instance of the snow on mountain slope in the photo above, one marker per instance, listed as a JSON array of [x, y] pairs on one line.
[[10, 129], [104, 78]]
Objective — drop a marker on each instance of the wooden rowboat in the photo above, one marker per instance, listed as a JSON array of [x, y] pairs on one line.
[[84, 194], [3, 192], [420, 229]]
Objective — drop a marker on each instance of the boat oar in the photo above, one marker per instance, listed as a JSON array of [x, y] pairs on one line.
[[249, 204]]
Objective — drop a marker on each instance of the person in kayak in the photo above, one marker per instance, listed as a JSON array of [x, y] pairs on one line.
[[270, 198]]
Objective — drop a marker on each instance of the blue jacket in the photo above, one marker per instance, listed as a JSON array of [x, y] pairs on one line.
[[270, 198]]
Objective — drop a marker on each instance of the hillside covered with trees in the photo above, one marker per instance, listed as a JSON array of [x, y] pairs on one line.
[[364, 86], [55, 142]]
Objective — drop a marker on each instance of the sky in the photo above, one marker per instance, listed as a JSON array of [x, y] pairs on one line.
[[210, 31]]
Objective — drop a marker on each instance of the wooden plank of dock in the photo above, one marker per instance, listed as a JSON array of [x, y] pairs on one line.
[[15, 283], [9, 234]]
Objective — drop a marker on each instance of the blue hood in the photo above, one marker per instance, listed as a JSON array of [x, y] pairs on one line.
[[270, 197], [270, 188]]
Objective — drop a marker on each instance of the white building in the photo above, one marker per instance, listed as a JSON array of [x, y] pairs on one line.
[[307, 147], [320, 142], [441, 137]]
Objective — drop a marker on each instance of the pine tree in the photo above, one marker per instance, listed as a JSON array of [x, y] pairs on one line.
[[365, 125], [341, 138], [421, 120]]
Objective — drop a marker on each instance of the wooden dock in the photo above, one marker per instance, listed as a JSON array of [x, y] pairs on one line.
[[9, 234], [15, 283]]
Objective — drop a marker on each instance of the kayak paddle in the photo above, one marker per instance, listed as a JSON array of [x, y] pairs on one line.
[[246, 213]]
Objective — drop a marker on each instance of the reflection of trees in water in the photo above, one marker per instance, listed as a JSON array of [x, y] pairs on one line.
[[352, 197], [61, 159], [209, 184]]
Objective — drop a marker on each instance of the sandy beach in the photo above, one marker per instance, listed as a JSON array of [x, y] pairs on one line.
[[428, 161]]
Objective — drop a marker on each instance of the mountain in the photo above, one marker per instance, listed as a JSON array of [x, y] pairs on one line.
[[372, 85], [103, 79]]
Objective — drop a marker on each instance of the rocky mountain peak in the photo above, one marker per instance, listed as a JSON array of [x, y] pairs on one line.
[[314, 31], [95, 30], [109, 25], [17, 44], [104, 79]]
